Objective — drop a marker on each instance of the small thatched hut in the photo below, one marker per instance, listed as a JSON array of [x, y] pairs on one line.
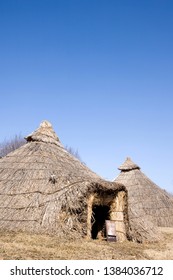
[[146, 201], [45, 189]]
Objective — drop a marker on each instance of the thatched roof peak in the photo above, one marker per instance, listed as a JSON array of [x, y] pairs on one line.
[[128, 165], [44, 133]]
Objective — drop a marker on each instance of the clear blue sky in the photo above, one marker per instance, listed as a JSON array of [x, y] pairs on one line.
[[101, 71]]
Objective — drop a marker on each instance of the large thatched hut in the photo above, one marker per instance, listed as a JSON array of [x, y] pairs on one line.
[[146, 201], [45, 189]]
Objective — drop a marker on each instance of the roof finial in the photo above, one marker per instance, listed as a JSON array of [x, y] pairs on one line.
[[128, 165], [44, 133]]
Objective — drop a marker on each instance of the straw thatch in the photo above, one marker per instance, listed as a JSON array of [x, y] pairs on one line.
[[45, 189], [147, 203]]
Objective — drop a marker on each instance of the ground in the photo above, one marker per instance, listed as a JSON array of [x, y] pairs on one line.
[[16, 246], [166, 250]]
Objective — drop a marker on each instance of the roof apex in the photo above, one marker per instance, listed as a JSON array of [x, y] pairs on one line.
[[44, 133], [128, 165]]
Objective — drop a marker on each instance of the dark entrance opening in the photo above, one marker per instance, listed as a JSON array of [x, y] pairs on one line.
[[99, 215]]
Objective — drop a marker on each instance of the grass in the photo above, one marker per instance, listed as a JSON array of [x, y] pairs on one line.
[[23, 246]]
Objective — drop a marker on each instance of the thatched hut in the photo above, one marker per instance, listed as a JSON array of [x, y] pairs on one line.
[[45, 189], [147, 202]]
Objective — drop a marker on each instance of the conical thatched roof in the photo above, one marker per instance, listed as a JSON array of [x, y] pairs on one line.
[[43, 188], [146, 201]]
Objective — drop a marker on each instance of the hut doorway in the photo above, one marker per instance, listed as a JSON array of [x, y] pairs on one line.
[[100, 213]]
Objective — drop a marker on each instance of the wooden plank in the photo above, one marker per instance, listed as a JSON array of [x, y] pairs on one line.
[[111, 231]]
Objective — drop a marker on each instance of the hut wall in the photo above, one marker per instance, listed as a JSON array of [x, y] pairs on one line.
[[89, 225], [117, 214]]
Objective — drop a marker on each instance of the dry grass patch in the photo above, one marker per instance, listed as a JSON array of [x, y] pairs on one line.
[[24, 246]]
